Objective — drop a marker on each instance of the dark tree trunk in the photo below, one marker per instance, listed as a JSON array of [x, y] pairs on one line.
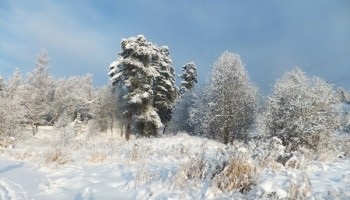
[[111, 125], [35, 128], [165, 126], [121, 129], [128, 126], [226, 135]]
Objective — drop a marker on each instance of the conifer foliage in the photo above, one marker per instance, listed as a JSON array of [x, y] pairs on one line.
[[145, 76], [189, 77]]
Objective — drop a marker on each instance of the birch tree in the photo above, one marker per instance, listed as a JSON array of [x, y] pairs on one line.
[[229, 101]]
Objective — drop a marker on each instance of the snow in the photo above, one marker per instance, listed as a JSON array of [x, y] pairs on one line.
[[107, 167]]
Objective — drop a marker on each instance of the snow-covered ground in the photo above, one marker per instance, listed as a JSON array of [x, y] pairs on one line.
[[52, 165]]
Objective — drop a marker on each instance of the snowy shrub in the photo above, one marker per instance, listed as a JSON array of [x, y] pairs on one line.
[[341, 145], [56, 156], [203, 166], [240, 174], [264, 152], [67, 134], [291, 184], [97, 157], [79, 126], [227, 169], [24, 154], [301, 111], [7, 142]]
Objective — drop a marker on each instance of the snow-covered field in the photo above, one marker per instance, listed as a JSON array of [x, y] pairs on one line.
[[54, 165]]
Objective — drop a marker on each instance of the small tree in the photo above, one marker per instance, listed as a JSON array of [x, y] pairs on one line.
[[181, 117], [38, 93], [105, 108], [301, 111], [228, 106]]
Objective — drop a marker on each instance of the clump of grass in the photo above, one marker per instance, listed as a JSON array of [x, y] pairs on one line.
[[56, 156], [240, 174], [97, 157]]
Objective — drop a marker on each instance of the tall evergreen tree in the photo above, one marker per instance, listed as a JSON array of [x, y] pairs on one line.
[[144, 76], [165, 89]]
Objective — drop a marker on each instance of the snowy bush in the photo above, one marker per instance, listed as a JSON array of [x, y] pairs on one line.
[[203, 166], [291, 184], [240, 174], [301, 111], [56, 156]]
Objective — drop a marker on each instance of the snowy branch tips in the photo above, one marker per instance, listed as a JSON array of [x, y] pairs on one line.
[[145, 81]]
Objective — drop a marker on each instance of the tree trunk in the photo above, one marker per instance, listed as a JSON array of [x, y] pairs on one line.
[[164, 129], [121, 128], [111, 126], [128, 127], [35, 128], [226, 134]]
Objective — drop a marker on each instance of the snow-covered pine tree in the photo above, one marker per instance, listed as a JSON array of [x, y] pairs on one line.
[[165, 90], [189, 77], [136, 73], [180, 118], [230, 101], [302, 111], [39, 91]]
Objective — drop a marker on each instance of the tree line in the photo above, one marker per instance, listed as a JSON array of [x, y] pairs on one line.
[[144, 98], [38, 99]]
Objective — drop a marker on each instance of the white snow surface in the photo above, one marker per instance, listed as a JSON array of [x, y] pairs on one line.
[[107, 167]]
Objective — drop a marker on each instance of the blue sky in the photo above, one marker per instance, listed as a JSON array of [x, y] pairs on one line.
[[272, 37]]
